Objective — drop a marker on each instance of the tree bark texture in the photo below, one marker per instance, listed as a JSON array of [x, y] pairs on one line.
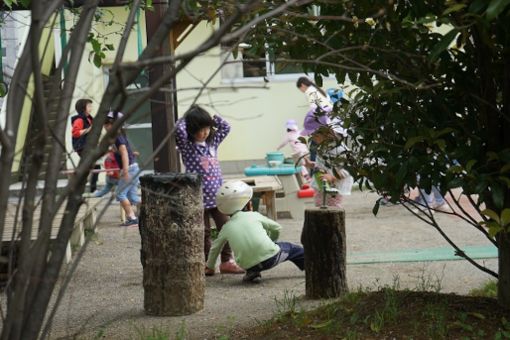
[[323, 238], [172, 233]]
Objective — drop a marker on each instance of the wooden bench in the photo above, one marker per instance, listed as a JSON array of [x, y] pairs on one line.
[[266, 187], [85, 221]]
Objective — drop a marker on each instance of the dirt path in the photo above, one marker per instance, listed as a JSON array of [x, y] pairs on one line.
[[105, 297]]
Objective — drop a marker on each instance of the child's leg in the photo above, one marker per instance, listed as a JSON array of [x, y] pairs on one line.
[[106, 189], [288, 252], [228, 265], [122, 196], [335, 200], [207, 233], [219, 220], [293, 253]]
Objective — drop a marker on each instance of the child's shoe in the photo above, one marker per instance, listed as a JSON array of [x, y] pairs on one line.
[[209, 271], [230, 267], [252, 277], [130, 222]]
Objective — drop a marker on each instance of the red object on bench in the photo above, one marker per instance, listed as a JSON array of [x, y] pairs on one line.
[[305, 191]]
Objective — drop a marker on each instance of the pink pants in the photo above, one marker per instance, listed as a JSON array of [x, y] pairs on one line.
[[331, 200]]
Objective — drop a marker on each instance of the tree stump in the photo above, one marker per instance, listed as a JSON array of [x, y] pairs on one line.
[[172, 254], [323, 239]]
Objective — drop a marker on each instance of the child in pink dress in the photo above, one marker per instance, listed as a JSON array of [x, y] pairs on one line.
[[299, 149]]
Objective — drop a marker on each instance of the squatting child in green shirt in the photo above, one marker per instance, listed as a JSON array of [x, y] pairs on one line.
[[251, 235]]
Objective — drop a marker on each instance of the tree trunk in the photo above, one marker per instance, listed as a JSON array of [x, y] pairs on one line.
[[504, 269], [172, 233], [323, 239]]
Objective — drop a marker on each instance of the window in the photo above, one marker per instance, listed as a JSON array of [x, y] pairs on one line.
[[248, 66], [139, 125]]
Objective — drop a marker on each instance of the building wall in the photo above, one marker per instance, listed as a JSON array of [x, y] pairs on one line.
[[91, 80], [14, 32], [257, 110]]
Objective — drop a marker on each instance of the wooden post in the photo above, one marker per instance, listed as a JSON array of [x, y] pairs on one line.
[[323, 239], [172, 254]]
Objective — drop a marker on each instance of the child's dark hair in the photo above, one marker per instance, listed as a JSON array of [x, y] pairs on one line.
[[81, 105], [308, 82], [197, 118], [111, 117]]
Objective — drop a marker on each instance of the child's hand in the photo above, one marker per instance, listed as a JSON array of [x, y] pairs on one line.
[[328, 177], [308, 163], [125, 175]]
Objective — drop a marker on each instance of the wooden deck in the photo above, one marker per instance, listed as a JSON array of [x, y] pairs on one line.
[[85, 220]]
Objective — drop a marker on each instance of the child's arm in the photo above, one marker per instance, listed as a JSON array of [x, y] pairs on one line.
[[181, 136], [125, 161], [272, 228], [77, 128], [222, 129], [215, 250], [285, 142]]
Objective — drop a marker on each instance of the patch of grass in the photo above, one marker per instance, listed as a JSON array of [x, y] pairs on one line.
[[182, 331], [489, 289], [154, 333], [387, 314], [223, 331], [286, 305], [428, 283]]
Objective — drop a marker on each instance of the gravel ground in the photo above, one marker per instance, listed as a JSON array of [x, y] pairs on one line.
[[105, 296]]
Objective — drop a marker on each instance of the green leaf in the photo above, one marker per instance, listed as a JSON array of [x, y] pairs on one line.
[[504, 168], [505, 217], [8, 3], [401, 173], [477, 6], [437, 134], [454, 8], [318, 79], [470, 164], [506, 180], [441, 144], [496, 7], [491, 214], [322, 325], [3, 89], [442, 45], [498, 196], [492, 156], [494, 229], [96, 45], [412, 141], [456, 169], [97, 60]]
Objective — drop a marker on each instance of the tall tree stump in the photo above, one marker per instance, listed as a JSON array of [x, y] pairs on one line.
[[323, 239], [172, 254]]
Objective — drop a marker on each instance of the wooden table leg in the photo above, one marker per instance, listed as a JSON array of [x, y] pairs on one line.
[[270, 202]]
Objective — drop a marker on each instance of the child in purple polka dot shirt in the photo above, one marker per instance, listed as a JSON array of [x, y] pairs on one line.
[[198, 136]]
